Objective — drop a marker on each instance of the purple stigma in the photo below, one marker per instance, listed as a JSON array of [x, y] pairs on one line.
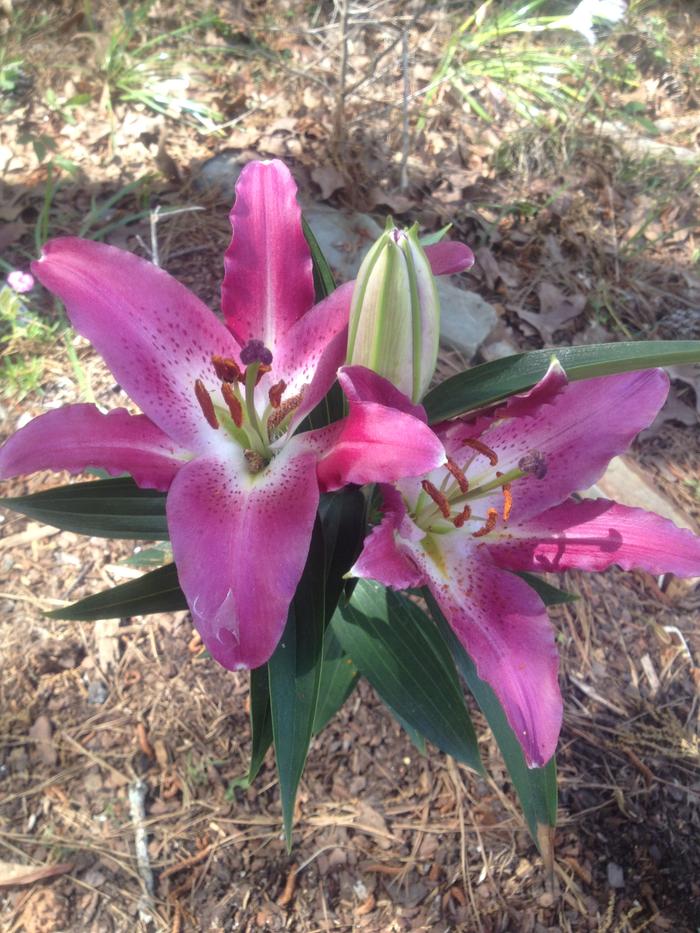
[[255, 351]]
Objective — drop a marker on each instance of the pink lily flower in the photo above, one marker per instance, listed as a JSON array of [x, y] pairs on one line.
[[502, 503], [221, 406]]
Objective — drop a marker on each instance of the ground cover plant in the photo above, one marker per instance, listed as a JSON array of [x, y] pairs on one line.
[[638, 273]]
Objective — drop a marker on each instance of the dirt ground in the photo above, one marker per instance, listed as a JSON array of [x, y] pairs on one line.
[[385, 839]]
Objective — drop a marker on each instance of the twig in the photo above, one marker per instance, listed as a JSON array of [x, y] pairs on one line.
[[405, 132], [137, 798], [339, 121]]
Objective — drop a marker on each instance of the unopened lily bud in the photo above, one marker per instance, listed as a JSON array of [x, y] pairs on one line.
[[395, 313]]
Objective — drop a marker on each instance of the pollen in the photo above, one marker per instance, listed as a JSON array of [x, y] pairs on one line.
[[256, 462], [275, 393], [205, 403], [458, 474], [262, 369], [279, 414], [481, 448], [233, 404], [491, 519], [507, 501], [227, 370], [439, 498]]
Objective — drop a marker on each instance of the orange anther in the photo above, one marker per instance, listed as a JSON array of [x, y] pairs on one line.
[[275, 393], [458, 474], [481, 448], [491, 519], [439, 498], [507, 501], [233, 404], [205, 403], [227, 370]]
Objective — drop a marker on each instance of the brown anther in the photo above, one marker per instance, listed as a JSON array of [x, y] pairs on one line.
[[491, 519], [255, 461], [233, 404], [460, 519], [458, 474], [227, 370], [205, 403], [262, 369], [279, 414], [507, 501], [275, 393], [439, 498], [481, 448]]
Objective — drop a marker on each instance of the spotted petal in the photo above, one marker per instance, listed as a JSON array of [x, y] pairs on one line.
[[79, 436], [240, 543], [595, 534], [153, 333], [268, 282]]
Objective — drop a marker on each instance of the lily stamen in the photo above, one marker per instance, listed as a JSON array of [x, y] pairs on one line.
[[491, 519], [460, 519], [227, 370], [481, 448], [458, 474], [233, 403], [275, 393], [439, 498], [206, 404]]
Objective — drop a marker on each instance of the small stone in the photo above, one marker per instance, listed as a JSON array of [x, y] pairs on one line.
[[97, 692], [343, 236], [220, 174], [616, 876], [466, 319]]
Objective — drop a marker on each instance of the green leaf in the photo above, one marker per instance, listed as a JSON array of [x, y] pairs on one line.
[[324, 283], [399, 650], [536, 787], [260, 720], [111, 508], [550, 595], [157, 591], [338, 679], [295, 676], [491, 382]]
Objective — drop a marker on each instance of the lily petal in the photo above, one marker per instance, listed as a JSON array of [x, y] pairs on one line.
[[584, 426], [268, 282], [153, 333], [382, 556], [375, 442], [449, 257], [503, 625], [79, 436], [240, 543], [364, 385], [595, 534]]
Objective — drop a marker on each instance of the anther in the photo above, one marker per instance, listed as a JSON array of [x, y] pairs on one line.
[[491, 519], [481, 448], [275, 393], [439, 498], [233, 404], [534, 463], [262, 369], [226, 370], [255, 461], [458, 474], [279, 414], [460, 519], [205, 403], [507, 501]]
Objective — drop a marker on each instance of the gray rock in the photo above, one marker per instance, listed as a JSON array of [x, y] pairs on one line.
[[97, 692], [220, 174], [344, 237], [467, 320]]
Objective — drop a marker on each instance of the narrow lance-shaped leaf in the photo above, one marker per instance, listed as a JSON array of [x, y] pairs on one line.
[[399, 650], [260, 720], [491, 382], [295, 675], [110, 508], [339, 676], [536, 787], [157, 591]]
